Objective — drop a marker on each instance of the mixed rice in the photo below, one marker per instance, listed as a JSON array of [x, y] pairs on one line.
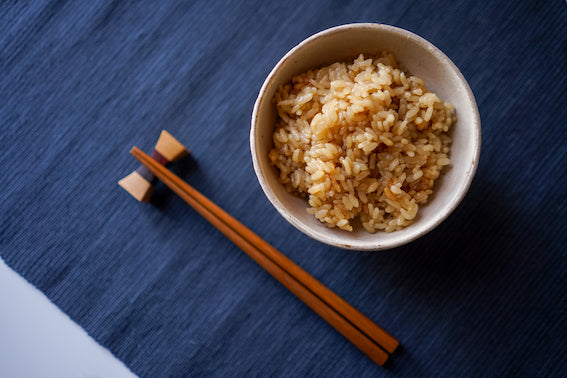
[[361, 139]]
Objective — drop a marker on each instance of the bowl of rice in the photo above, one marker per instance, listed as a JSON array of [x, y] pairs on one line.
[[365, 136]]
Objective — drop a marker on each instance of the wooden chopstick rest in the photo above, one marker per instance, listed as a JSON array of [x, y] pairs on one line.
[[140, 183]]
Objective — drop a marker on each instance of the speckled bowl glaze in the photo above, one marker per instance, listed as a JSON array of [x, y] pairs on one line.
[[420, 58]]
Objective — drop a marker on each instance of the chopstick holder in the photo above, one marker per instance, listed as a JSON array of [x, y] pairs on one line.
[[140, 183]]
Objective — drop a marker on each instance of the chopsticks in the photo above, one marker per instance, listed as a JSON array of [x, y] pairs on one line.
[[357, 328]]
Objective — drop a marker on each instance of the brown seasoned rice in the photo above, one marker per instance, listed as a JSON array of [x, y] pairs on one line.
[[361, 139]]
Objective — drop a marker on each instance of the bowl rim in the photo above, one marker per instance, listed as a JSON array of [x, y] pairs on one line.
[[439, 217]]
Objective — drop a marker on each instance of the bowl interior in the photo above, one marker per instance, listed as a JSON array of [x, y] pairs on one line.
[[418, 57]]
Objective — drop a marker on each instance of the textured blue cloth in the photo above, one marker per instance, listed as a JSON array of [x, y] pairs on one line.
[[82, 82]]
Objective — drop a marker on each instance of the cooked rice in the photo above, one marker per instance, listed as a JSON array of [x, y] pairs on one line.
[[361, 139]]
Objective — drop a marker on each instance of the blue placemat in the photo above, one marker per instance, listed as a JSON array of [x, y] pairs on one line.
[[82, 82]]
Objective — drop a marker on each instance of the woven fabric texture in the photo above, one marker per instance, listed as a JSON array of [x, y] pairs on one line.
[[484, 294]]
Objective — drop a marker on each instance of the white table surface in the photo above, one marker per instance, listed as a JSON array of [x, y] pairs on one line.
[[39, 340]]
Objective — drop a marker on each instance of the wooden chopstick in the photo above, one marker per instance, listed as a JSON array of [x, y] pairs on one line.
[[352, 324]]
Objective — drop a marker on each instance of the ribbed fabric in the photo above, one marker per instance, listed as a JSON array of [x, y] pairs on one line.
[[82, 82]]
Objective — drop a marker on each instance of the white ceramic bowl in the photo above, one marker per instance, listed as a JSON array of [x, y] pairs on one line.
[[420, 58]]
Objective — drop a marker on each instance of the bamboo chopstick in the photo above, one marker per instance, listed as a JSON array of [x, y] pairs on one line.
[[352, 324]]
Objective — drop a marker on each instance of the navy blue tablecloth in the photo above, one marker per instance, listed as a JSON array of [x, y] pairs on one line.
[[82, 82]]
